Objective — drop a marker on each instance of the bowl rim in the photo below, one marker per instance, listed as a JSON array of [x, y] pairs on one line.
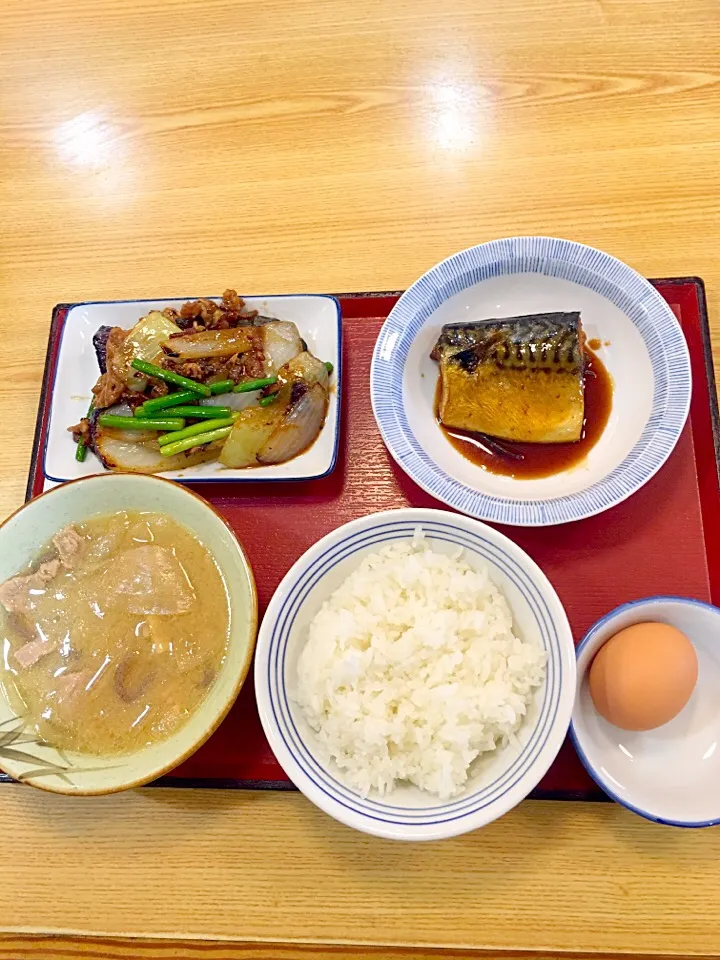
[[649, 453], [584, 758], [224, 708], [358, 819]]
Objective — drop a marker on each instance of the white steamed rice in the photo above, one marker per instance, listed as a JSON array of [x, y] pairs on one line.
[[411, 671]]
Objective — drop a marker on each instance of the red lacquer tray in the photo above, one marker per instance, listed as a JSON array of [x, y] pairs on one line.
[[664, 539]]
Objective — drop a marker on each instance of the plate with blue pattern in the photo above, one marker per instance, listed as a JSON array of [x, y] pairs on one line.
[[497, 780], [643, 348]]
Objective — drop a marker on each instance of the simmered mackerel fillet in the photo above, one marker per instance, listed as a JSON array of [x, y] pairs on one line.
[[519, 378]]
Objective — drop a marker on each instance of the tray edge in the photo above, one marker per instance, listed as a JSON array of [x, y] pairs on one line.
[[58, 310]]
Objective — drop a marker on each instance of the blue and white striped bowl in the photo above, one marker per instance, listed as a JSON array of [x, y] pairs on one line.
[[643, 348], [500, 781]]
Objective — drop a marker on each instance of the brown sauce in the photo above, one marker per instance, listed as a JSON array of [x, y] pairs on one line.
[[535, 460]]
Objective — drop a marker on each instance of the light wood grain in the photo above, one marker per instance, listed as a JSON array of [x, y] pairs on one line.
[[269, 866], [29, 947], [172, 147]]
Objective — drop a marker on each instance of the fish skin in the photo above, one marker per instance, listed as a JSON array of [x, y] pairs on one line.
[[519, 378], [542, 340]]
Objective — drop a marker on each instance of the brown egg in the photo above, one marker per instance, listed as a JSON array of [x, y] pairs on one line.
[[643, 676]]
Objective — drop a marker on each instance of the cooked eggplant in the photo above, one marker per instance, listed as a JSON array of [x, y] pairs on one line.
[[100, 340]]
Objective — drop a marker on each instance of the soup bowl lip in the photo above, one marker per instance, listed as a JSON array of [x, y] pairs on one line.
[[223, 709]]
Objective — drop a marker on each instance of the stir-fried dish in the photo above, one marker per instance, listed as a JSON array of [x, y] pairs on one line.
[[212, 381], [115, 634]]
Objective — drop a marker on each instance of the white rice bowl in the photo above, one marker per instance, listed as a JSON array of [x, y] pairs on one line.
[[479, 749], [411, 671]]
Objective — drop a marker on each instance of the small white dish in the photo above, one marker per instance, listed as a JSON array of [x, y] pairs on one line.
[[643, 349], [499, 781], [671, 774], [318, 320], [21, 537]]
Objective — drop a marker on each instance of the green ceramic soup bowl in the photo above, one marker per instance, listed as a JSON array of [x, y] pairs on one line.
[[23, 535]]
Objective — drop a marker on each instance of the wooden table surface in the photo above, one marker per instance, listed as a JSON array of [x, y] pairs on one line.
[[170, 147]]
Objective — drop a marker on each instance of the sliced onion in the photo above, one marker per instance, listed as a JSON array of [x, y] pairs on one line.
[[251, 431], [120, 410], [299, 427], [129, 436], [281, 343], [305, 367], [212, 343], [236, 401], [144, 341], [117, 453]]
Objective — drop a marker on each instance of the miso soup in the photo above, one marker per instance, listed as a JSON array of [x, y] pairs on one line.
[[114, 635]]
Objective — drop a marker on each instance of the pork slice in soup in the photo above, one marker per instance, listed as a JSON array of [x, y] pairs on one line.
[[115, 634]]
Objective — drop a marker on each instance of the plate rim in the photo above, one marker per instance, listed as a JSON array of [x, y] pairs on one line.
[[297, 478], [499, 508]]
